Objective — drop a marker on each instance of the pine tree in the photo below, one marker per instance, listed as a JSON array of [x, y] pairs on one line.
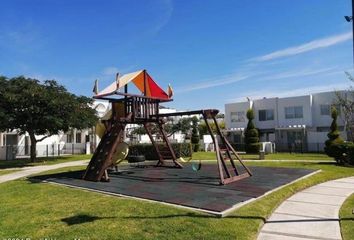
[[251, 135]]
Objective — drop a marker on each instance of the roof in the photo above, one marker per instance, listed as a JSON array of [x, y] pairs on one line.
[[142, 80]]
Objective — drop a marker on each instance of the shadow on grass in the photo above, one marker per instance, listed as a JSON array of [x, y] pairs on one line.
[[26, 162], [195, 215], [67, 174], [82, 218]]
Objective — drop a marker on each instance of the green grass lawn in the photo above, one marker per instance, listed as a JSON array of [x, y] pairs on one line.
[[4, 172], [41, 161], [40, 210], [274, 156], [347, 218]]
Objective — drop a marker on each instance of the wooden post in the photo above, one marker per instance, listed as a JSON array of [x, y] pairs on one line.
[[215, 141], [161, 160], [224, 142], [165, 138]]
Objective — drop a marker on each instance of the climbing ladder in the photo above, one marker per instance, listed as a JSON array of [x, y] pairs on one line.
[[163, 149], [102, 158], [226, 155]]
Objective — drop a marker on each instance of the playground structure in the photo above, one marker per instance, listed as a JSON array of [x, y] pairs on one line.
[[144, 109]]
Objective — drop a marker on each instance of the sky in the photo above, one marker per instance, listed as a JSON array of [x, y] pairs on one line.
[[212, 52]]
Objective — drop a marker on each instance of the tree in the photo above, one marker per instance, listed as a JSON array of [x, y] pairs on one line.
[[251, 135], [3, 117], [183, 126], [42, 109], [333, 144], [195, 135], [203, 130], [346, 102]]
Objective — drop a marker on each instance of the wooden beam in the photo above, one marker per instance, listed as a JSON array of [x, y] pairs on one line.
[[207, 113], [215, 141], [161, 160], [224, 142]]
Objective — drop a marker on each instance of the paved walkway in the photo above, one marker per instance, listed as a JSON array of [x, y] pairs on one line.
[[27, 171], [310, 214]]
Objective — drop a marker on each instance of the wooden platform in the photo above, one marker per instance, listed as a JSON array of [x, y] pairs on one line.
[[184, 187]]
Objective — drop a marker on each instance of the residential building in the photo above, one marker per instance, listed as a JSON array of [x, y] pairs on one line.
[[293, 123]]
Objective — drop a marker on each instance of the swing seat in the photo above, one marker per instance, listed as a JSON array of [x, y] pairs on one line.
[[196, 167]]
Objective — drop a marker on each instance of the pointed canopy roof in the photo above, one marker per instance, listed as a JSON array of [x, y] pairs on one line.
[[141, 79]]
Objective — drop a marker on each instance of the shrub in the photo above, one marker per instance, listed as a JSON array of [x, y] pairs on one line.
[[350, 154], [195, 137], [148, 150], [334, 145], [251, 135]]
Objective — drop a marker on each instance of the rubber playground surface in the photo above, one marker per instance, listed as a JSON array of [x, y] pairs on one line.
[[185, 187]]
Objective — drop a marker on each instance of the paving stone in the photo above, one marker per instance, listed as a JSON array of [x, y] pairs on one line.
[[317, 198], [308, 209], [272, 236], [305, 226], [309, 214], [337, 184], [344, 192]]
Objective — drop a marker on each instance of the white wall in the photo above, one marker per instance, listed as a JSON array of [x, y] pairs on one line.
[[304, 101], [326, 98], [264, 104], [236, 107]]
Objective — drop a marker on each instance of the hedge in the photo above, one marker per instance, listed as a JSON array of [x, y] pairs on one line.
[[148, 150], [343, 153]]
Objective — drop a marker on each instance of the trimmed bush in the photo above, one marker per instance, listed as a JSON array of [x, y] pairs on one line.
[[334, 145], [148, 150], [251, 135], [350, 154], [195, 137], [344, 152]]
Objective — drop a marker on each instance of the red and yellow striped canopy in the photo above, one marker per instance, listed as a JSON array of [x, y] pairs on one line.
[[142, 80]]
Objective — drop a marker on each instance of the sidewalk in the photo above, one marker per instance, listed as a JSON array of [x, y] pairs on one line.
[[27, 171], [310, 214]]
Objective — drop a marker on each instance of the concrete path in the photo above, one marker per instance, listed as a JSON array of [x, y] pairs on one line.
[[37, 169], [310, 214]]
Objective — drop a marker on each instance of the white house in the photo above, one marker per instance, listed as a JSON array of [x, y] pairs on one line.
[[301, 122], [75, 141]]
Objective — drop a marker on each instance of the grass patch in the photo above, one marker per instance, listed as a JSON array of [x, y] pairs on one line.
[[39, 210], [347, 218], [4, 172], [274, 156], [17, 163]]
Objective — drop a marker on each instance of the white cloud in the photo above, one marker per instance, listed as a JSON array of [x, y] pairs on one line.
[[110, 71], [166, 14], [306, 47], [229, 79], [300, 73], [215, 82]]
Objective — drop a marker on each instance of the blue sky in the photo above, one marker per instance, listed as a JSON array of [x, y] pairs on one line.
[[212, 52]]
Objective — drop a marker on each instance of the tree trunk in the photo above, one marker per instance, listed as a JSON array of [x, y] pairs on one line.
[[33, 147]]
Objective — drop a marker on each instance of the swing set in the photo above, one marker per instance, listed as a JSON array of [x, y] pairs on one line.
[[127, 108]]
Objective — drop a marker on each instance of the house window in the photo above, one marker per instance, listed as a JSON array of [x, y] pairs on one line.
[[325, 110], [293, 112], [237, 116], [78, 137], [266, 115], [69, 138]]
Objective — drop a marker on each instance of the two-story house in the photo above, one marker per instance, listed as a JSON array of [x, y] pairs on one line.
[[300, 122]]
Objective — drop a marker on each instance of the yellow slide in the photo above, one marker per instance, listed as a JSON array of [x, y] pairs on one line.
[[122, 149]]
